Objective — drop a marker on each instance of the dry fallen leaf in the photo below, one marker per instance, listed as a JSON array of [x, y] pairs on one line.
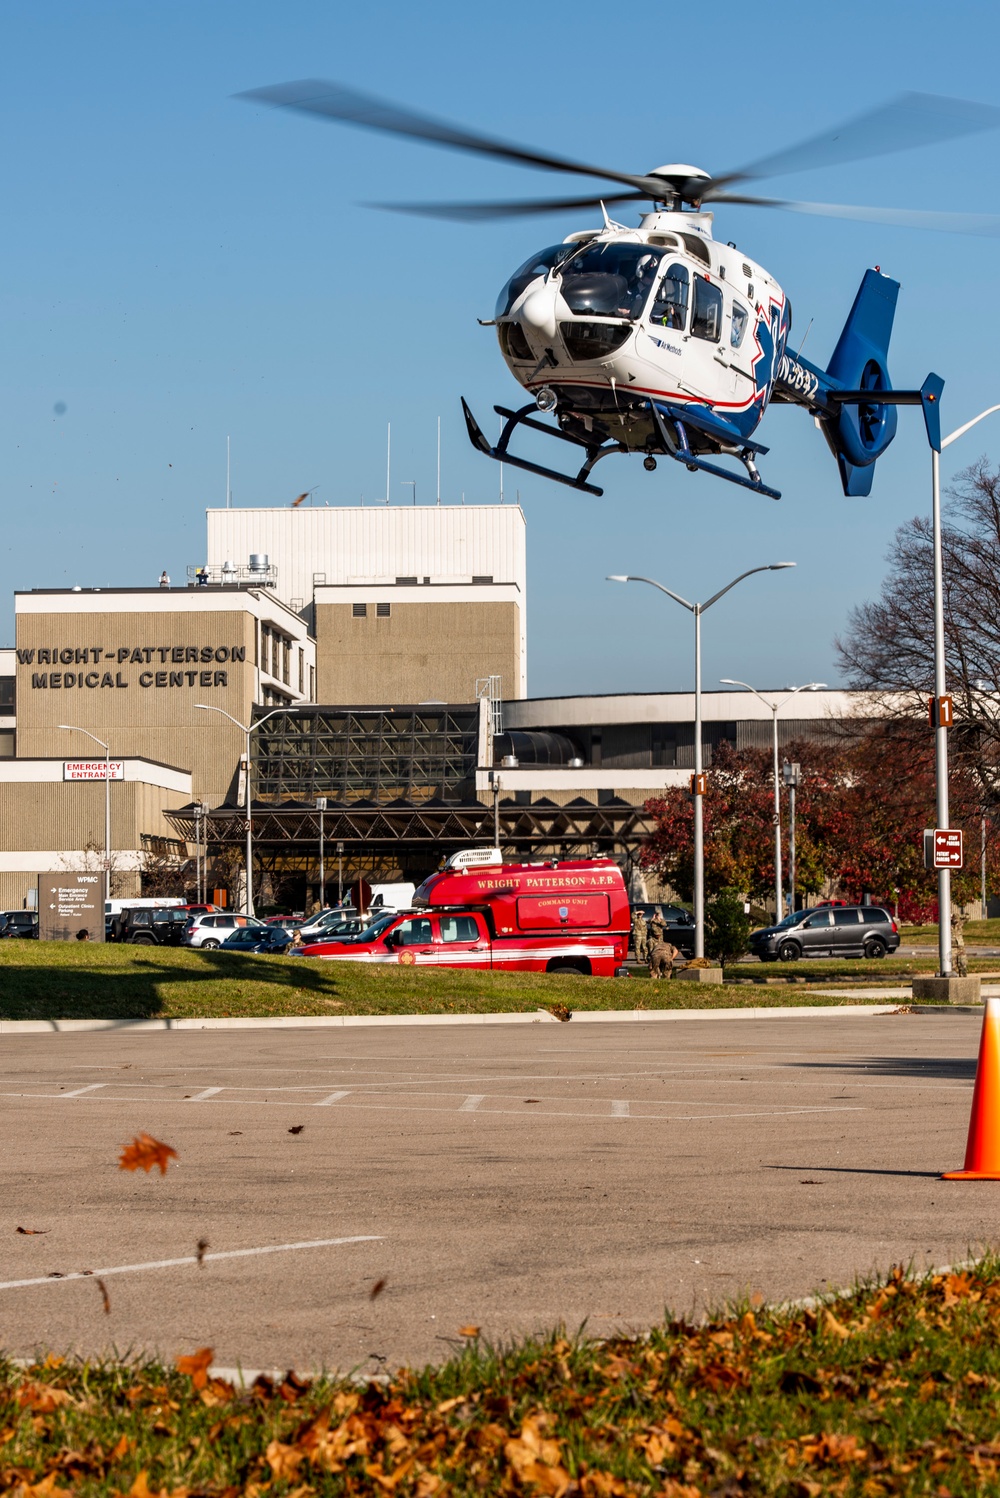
[[144, 1152], [377, 1288], [532, 1100], [196, 1365], [296, 1128], [32, 1232], [203, 1243], [105, 1297], [468, 1331], [234, 1131]]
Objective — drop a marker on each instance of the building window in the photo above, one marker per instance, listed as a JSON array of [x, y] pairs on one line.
[[359, 610], [406, 582], [312, 683], [483, 579], [302, 671], [6, 744], [382, 610], [7, 694], [286, 662], [263, 647]]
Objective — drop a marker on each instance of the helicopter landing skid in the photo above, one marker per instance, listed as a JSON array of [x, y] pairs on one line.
[[676, 445], [514, 419]]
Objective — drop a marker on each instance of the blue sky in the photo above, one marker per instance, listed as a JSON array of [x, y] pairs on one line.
[[179, 266]]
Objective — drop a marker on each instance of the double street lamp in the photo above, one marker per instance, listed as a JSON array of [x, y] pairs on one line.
[[246, 729], [698, 779], [74, 728], [812, 686]]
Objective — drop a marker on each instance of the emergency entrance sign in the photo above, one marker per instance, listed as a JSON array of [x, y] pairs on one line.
[[943, 848], [93, 769]]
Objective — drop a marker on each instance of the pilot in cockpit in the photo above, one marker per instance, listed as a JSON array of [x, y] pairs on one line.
[[640, 287]]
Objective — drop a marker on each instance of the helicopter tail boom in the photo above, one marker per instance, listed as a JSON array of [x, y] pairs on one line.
[[853, 397]]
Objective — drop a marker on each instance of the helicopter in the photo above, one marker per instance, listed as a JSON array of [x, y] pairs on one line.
[[662, 341]]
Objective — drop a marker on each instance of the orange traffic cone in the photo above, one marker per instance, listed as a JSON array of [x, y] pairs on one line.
[[982, 1152]]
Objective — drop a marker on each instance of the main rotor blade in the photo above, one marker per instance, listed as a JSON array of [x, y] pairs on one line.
[[335, 102], [900, 125], [904, 218], [471, 213]]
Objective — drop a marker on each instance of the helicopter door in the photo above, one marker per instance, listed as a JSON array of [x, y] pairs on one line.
[[670, 305]]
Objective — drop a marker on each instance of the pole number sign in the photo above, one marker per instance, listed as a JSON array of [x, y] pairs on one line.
[[943, 848], [93, 769]]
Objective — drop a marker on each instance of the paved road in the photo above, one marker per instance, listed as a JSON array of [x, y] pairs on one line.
[[507, 1176]]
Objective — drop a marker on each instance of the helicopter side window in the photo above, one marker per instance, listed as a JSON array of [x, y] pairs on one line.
[[707, 320], [538, 265], [739, 325], [671, 304]]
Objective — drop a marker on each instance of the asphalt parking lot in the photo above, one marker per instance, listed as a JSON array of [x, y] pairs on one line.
[[510, 1177]]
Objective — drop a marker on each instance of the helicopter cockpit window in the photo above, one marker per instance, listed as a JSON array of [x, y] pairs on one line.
[[739, 325], [610, 280], [707, 320], [538, 265], [671, 304]]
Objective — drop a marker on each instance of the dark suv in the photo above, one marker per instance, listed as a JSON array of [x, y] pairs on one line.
[[150, 926], [18, 923], [678, 921], [838, 931]]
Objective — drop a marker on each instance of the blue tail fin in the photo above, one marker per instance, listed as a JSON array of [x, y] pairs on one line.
[[859, 434]]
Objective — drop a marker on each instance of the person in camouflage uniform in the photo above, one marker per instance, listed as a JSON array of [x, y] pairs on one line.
[[657, 927], [640, 938], [661, 959], [958, 943]]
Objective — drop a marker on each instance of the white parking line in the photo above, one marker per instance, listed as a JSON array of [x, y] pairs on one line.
[[620, 1108], [472, 1102], [199, 1097], [233, 1253], [79, 1091], [334, 1097]]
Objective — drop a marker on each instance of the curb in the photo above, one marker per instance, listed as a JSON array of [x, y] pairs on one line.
[[344, 1021]]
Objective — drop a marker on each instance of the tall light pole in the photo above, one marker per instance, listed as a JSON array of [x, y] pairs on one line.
[[340, 873], [940, 690], [792, 776], [73, 728], [811, 686], [321, 808], [698, 779], [246, 730]]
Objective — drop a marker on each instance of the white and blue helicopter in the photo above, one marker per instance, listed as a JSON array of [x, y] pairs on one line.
[[658, 339]]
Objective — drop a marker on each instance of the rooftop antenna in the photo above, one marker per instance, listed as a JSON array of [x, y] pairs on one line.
[[229, 492], [439, 462], [388, 457]]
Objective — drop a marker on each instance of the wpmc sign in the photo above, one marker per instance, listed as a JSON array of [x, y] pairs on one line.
[[943, 848], [206, 659], [93, 769], [69, 904]]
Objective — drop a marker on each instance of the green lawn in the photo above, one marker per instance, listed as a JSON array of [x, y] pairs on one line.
[[891, 1389], [55, 980], [985, 932]]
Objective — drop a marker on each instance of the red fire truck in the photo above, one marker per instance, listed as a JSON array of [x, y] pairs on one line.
[[559, 916]]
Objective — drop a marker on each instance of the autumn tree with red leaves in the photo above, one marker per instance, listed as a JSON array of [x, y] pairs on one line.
[[860, 814]]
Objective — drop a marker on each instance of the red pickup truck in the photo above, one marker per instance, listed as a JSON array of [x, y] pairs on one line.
[[563, 915]]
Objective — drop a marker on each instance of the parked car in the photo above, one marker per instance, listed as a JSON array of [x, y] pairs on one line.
[[263, 938], [679, 923], [342, 921], [145, 926], [19, 923], [828, 931], [209, 931]]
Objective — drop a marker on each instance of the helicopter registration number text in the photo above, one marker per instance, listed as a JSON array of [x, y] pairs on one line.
[[798, 378]]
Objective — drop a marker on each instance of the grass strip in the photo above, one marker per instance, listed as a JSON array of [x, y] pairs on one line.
[[70, 980], [891, 1388]]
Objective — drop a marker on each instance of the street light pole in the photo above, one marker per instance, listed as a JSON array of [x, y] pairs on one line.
[[73, 728], [340, 873], [792, 775], [246, 730], [698, 779], [321, 808], [940, 732], [810, 686]]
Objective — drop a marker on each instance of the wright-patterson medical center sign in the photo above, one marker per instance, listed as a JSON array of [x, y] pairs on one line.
[[68, 667]]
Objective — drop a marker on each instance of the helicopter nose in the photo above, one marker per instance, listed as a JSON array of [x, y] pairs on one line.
[[538, 311]]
